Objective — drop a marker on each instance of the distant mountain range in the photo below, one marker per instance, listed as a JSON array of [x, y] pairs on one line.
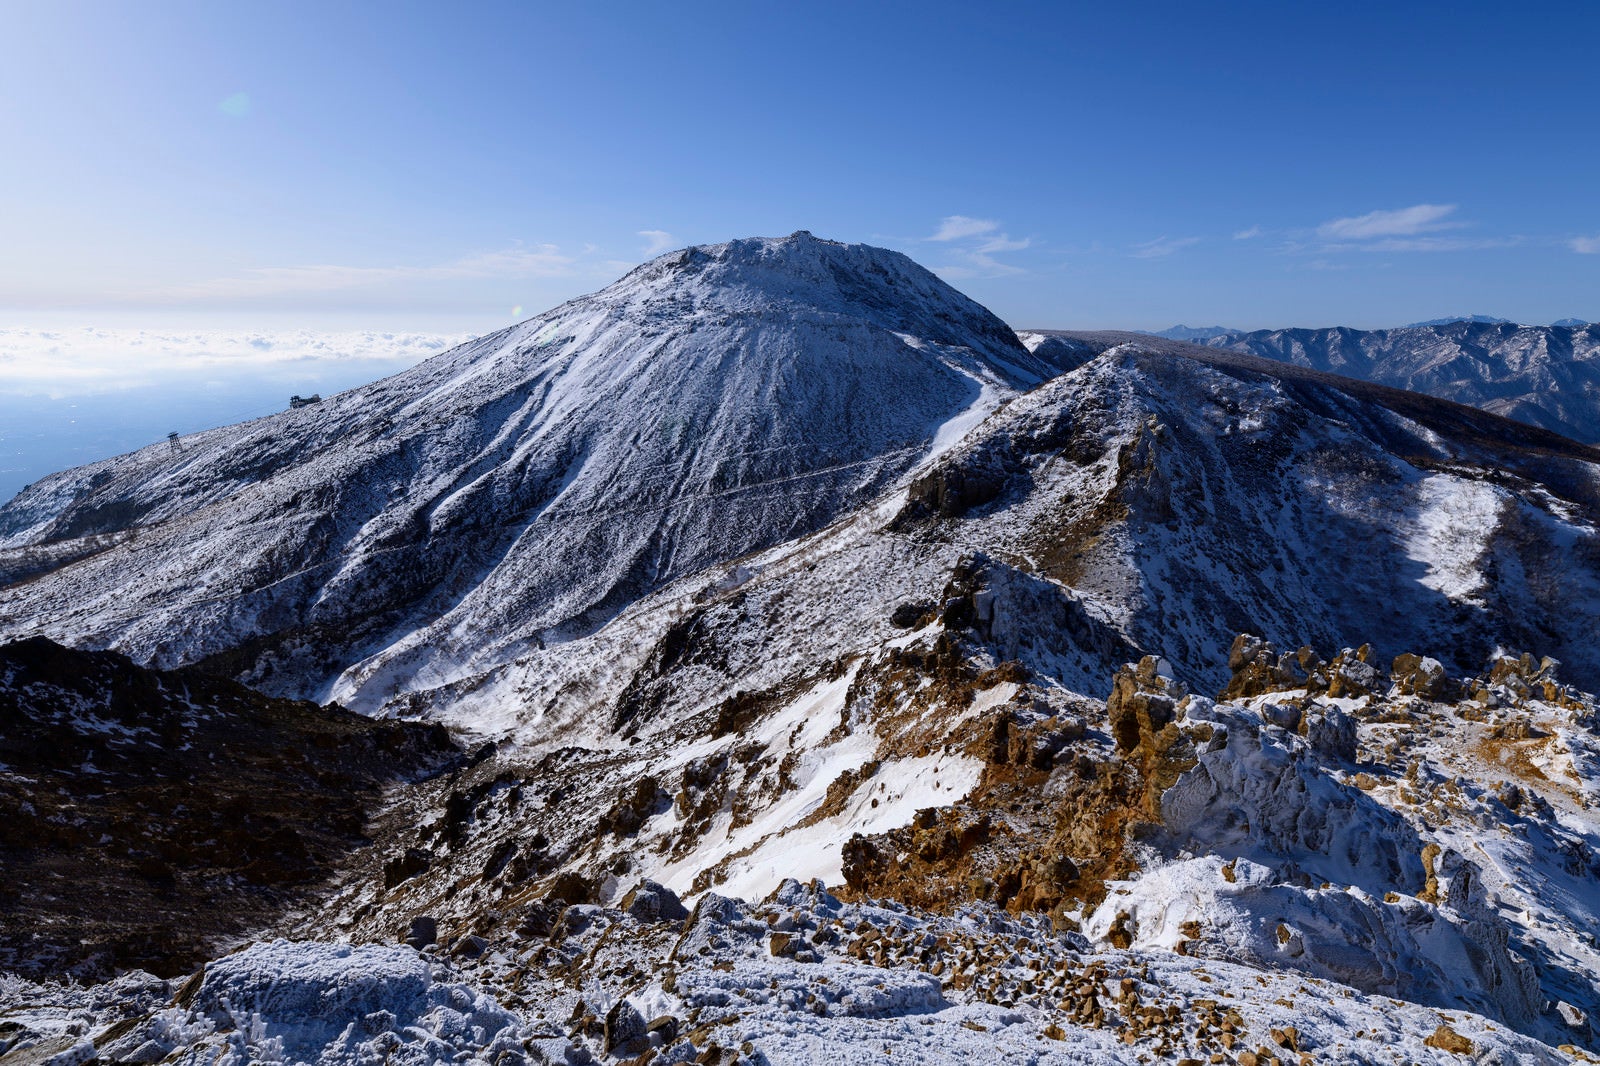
[[1194, 333], [1204, 334], [1544, 375], [1481, 320]]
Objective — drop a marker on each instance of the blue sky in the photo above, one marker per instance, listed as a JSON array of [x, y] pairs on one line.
[[438, 167]]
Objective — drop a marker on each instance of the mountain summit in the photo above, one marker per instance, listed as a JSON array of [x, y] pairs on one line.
[[523, 487]]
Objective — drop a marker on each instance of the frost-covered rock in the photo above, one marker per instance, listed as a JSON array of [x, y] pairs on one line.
[[1255, 793], [1242, 911], [327, 1004]]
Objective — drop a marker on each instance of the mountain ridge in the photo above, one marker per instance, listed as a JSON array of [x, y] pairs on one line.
[[527, 484], [1547, 376]]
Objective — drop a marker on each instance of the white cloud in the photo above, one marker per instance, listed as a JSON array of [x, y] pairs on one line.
[[1585, 245], [1002, 243], [659, 241], [977, 265], [1162, 247], [1248, 234], [974, 244], [956, 227], [85, 359], [1404, 222]]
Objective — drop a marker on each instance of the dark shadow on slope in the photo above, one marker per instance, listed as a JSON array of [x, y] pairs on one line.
[[154, 817]]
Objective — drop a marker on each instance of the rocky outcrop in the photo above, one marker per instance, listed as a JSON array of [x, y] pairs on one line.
[[1005, 845]]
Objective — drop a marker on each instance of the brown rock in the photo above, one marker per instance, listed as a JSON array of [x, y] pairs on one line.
[[1447, 1039], [1414, 675], [1258, 668], [1119, 934]]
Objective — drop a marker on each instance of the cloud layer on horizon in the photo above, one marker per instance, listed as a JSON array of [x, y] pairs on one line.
[[90, 359]]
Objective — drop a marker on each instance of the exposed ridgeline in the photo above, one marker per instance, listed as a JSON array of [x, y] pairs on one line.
[[1547, 376], [1544, 375], [1186, 495], [522, 488]]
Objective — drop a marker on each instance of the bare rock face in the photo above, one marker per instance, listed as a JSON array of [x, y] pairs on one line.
[[1002, 845], [1351, 673], [950, 491], [1514, 680], [1417, 675], [1258, 668], [999, 846], [1143, 702], [649, 901], [624, 1030], [1331, 734]]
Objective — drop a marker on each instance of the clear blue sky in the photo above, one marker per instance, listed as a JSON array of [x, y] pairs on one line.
[[438, 166]]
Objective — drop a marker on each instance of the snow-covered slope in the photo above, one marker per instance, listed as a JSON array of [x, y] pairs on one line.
[[909, 700], [522, 488], [1142, 503]]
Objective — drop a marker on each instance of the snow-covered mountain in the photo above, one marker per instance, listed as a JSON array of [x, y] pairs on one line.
[[1544, 375], [523, 487], [926, 766], [910, 705]]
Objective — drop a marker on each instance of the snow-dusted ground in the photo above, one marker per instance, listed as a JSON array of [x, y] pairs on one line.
[[801, 979]]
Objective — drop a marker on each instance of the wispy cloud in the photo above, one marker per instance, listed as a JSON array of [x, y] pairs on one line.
[[1585, 245], [659, 241], [957, 227], [235, 106], [1404, 222], [1002, 243], [1162, 247], [1248, 234], [973, 245]]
